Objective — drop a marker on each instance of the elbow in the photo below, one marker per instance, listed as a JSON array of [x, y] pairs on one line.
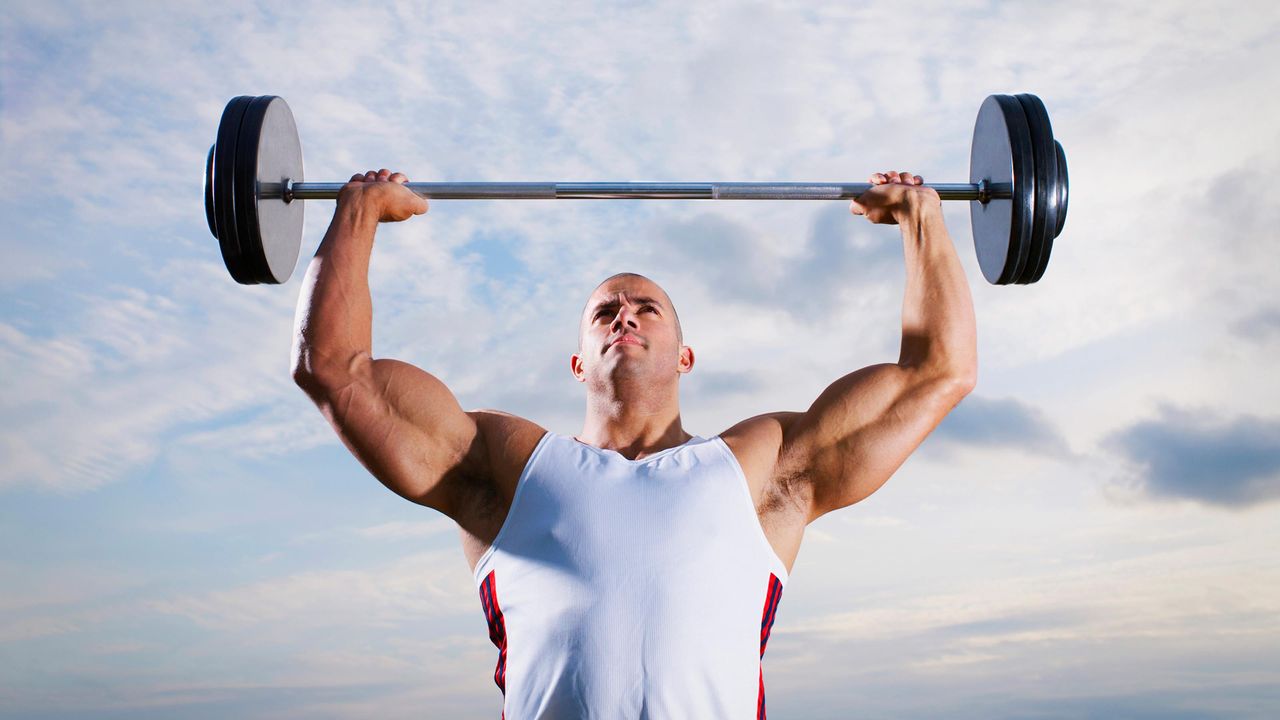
[[961, 381], [948, 366], [951, 377], [320, 375], [302, 377], [305, 377], [299, 357], [965, 383], [308, 372], [959, 372], [951, 382], [301, 365]]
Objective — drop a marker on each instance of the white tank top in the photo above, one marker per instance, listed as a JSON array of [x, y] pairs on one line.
[[637, 589]]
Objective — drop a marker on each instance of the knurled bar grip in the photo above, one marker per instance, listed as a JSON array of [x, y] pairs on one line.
[[635, 191]]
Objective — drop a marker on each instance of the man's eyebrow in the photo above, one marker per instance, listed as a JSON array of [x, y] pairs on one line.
[[613, 302]]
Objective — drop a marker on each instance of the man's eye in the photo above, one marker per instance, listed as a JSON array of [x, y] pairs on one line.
[[650, 308]]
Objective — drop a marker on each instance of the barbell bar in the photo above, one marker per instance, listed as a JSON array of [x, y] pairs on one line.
[[254, 189], [631, 191]]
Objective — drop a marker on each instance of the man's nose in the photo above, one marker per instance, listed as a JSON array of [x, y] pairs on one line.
[[624, 317]]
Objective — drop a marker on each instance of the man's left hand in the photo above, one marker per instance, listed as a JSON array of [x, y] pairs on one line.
[[894, 198]]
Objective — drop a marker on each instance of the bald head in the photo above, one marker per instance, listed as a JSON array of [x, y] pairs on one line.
[[606, 290]]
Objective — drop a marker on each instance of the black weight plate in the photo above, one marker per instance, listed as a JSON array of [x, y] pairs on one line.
[[1060, 189], [1024, 184], [267, 154], [1002, 155], [224, 199], [208, 193], [278, 224], [1045, 218], [255, 261], [1063, 188], [224, 160], [1046, 188]]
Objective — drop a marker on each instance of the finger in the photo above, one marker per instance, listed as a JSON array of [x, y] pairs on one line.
[[892, 175], [399, 177], [919, 180], [857, 209], [878, 179], [421, 207], [358, 177], [370, 176], [906, 178], [384, 174]]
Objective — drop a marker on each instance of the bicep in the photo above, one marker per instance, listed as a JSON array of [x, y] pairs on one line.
[[862, 428], [407, 428]]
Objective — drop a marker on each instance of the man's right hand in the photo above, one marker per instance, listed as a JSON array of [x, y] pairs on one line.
[[382, 194]]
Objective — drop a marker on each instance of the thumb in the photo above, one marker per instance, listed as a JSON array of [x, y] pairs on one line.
[[856, 209]]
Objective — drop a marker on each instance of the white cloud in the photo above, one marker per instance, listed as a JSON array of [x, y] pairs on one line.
[[398, 530], [992, 587], [423, 586], [89, 404]]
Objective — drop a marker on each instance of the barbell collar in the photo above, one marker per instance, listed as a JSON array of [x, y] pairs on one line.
[[289, 190]]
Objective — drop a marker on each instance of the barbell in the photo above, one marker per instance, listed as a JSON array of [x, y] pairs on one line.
[[253, 188]]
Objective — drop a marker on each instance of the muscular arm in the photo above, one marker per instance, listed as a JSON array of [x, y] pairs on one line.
[[402, 423], [862, 428]]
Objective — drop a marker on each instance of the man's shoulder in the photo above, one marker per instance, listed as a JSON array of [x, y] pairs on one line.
[[503, 430], [762, 431], [757, 442], [509, 441], [503, 419]]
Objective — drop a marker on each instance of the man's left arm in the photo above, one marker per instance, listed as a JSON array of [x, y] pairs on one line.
[[862, 428]]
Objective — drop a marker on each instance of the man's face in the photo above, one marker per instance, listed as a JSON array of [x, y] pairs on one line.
[[629, 329]]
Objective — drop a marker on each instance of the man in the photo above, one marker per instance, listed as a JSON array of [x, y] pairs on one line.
[[624, 572]]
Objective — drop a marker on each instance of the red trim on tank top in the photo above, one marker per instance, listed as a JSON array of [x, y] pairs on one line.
[[497, 629], [771, 598]]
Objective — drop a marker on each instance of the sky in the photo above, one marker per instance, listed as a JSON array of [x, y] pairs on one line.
[[1092, 532]]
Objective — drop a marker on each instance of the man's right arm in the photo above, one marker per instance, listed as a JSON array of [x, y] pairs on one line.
[[402, 423]]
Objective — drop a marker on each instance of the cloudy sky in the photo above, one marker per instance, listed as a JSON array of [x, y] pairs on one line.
[[1092, 533]]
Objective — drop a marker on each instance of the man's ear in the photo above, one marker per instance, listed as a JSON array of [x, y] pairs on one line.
[[575, 367], [686, 359]]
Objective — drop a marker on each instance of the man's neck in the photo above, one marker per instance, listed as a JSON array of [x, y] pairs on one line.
[[635, 428]]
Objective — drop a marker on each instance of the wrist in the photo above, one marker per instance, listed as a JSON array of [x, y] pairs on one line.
[[919, 207], [355, 210]]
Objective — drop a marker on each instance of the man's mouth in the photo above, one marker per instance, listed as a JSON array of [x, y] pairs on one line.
[[625, 340]]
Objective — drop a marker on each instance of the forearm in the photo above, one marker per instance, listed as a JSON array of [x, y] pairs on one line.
[[939, 333], [334, 321]]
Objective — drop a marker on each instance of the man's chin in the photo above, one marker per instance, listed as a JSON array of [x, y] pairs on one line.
[[621, 365]]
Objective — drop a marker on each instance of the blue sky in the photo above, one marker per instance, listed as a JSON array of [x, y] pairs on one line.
[[1092, 533]]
